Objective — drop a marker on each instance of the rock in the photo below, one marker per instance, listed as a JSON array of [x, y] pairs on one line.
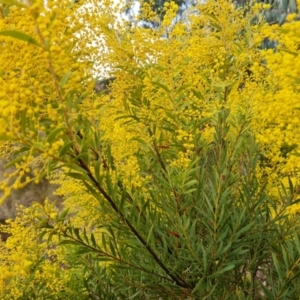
[[103, 86], [26, 196]]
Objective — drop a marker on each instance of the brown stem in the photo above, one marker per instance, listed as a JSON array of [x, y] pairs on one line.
[[157, 152], [180, 282]]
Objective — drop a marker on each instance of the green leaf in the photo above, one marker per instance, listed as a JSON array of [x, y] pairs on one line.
[[13, 162], [53, 134], [83, 156], [223, 270], [222, 85], [4, 137], [13, 2], [44, 224], [245, 229], [150, 234], [23, 122], [97, 166], [216, 26], [47, 44], [291, 186], [20, 36], [50, 236], [110, 188], [186, 192], [122, 201], [198, 94], [40, 146], [213, 17], [140, 141], [63, 215], [84, 250], [103, 258], [162, 86], [76, 232], [6, 11], [288, 51], [67, 242], [128, 117], [41, 235], [190, 183], [66, 148], [278, 267], [94, 192], [110, 157], [198, 285], [112, 248], [204, 259], [65, 79], [85, 236], [78, 176], [184, 87], [297, 241], [103, 240], [285, 258], [93, 241]]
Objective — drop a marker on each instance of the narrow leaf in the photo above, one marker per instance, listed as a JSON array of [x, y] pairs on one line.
[[65, 79], [150, 234], [67, 242], [13, 162], [14, 2], [53, 134], [66, 148], [93, 241], [162, 86], [20, 36]]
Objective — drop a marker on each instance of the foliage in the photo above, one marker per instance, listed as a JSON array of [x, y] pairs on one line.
[[275, 11], [180, 183]]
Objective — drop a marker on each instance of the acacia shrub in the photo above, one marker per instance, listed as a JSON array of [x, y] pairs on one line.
[[161, 177]]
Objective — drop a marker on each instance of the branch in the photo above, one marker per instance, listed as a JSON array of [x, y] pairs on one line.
[[180, 282]]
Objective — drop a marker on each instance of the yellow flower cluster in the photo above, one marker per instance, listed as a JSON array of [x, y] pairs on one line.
[[280, 108], [171, 11], [22, 253]]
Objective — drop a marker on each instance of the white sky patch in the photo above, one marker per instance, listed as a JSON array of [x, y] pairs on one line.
[[102, 71]]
